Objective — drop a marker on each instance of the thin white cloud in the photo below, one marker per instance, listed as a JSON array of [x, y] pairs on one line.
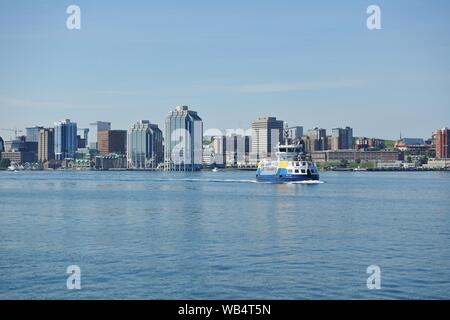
[[285, 87], [14, 102]]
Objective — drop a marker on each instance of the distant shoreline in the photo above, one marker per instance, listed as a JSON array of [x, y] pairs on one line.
[[345, 170]]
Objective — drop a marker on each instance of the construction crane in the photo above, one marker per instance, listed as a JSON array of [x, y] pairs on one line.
[[15, 130]]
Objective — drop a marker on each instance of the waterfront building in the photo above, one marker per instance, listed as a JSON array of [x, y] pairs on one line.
[[32, 133], [395, 165], [144, 146], [112, 141], [356, 156], [19, 157], [20, 151], [315, 140], [86, 154], [76, 164], [442, 144], [65, 139], [183, 140], [94, 129], [438, 164], [46, 145], [111, 161], [267, 132]]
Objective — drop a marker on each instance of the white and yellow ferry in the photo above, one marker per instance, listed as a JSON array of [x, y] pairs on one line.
[[291, 166]]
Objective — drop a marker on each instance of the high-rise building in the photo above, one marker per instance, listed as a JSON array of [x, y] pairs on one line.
[[342, 139], [220, 149], [295, 133], [183, 140], [95, 128], [33, 134], [315, 140], [144, 145], [112, 141], [20, 151], [2, 145], [231, 150], [442, 144], [65, 139], [46, 145], [82, 138], [267, 132]]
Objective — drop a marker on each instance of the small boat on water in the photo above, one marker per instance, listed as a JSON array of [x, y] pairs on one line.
[[215, 170], [13, 168], [291, 166]]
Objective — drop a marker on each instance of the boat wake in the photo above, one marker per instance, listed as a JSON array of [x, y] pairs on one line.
[[237, 181], [307, 182]]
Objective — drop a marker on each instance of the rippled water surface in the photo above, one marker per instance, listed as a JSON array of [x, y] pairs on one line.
[[150, 235]]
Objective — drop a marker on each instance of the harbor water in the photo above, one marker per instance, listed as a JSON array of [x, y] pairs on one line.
[[222, 235]]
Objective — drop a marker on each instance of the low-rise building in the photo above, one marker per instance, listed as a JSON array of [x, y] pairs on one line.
[[355, 156], [111, 162], [438, 164], [76, 164], [19, 156], [363, 143], [390, 165]]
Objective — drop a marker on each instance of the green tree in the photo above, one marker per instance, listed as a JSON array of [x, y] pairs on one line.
[[5, 163]]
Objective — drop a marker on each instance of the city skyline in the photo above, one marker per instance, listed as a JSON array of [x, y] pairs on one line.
[[218, 59], [13, 132]]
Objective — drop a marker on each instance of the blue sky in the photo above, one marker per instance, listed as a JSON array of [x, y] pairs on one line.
[[311, 63]]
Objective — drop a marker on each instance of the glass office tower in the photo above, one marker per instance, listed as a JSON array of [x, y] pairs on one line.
[[183, 140], [144, 146], [65, 139]]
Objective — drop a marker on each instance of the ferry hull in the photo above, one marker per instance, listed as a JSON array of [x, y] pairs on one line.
[[286, 178]]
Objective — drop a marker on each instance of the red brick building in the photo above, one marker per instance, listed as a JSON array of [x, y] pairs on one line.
[[441, 140]]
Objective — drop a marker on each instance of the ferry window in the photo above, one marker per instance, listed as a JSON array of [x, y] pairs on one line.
[[282, 149], [289, 171], [303, 171], [296, 171]]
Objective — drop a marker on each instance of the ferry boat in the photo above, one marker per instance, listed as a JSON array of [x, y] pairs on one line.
[[291, 166]]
